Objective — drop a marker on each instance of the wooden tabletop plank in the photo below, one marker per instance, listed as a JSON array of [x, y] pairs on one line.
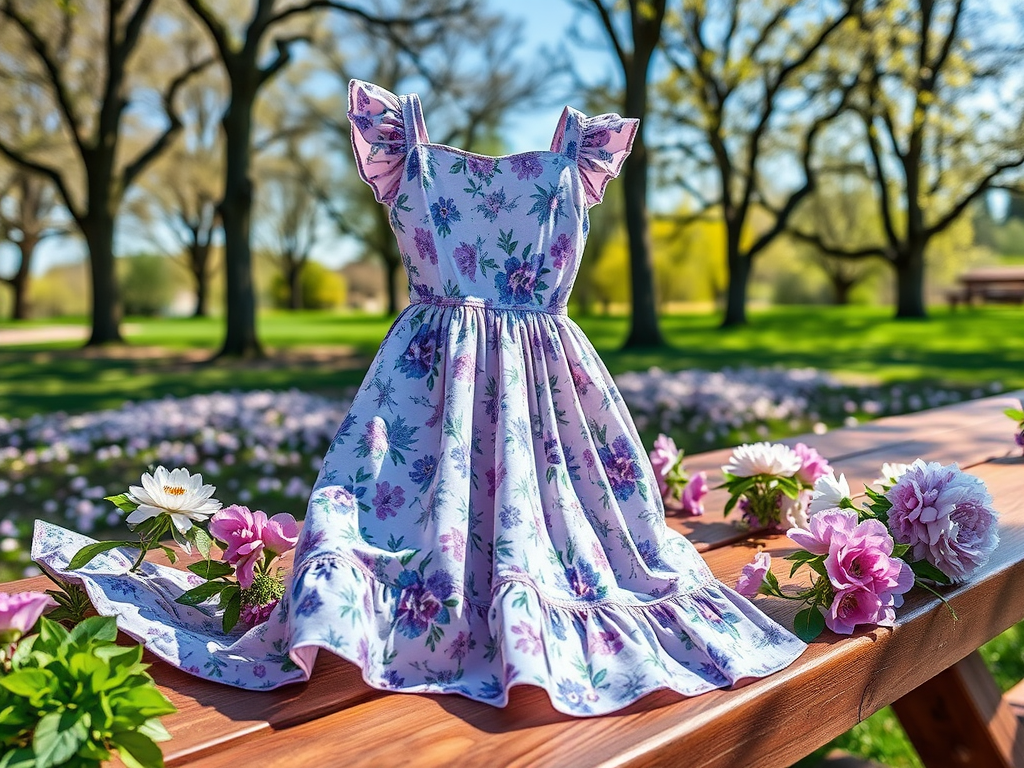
[[848, 678]]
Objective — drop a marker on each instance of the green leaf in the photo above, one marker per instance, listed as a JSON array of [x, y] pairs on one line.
[[32, 684], [51, 636], [123, 502], [925, 570], [172, 556], [202, 541], [146, 700], [58, 736], [85, 555], [1015, 413], [808, 623], [228, 594], [155, 730], [138, 750], [899, 550], [95, 628], [211, 569], [22, 757], [231, 613], [202, 593]]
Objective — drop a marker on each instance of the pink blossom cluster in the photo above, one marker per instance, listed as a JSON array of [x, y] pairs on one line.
[[946, 517], [252, 539], [677, 487], [867, 582]]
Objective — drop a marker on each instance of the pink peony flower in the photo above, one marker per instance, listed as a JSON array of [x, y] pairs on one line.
[[249, 535], [813, 465], [695, 490], [946, 517], [821, 528], [663, 459], [20, 612], [863, 559], [854, 606], [753, 574]]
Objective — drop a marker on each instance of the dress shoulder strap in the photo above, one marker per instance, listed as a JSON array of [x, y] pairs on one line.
[[415, 126]]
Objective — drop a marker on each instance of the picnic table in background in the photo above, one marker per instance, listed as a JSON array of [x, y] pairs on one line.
[[998, 284], [928, 664]]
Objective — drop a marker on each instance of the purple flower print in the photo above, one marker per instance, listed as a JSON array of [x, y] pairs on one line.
[[418, 606], [621, 466], [418, 358], [388, 499], [392, 679], [374, 440], [465, 367], [465, 260], [460, 456], [309, 604], [580, 379], [444, 212], [526, 166], [461, 646], [510, 516], [529, 642], [482, 167], [259, 671], [495, 203], [518, 282], [562, 251], [552, 450], [455, 542], [572, 695], [495, 477], [584, 581], [425, 245], [423, 470], [606, 644]]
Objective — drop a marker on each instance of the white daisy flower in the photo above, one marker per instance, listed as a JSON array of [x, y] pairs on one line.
[[828, 492], [891, 472], [763, 459], [176, 493]]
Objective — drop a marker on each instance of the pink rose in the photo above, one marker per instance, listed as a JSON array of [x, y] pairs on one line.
[[663, 458], [249, 535], [20, 612], [854, 606], [694, 491], [812, 465], [752, 576]]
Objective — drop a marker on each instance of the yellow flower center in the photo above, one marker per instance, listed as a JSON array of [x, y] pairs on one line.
[[174, 490]]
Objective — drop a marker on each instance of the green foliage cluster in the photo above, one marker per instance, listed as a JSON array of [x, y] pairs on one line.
[[322, 288], [74, 698]]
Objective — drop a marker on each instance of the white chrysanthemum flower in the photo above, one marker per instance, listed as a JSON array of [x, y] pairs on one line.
[[829, 491], [176, 493], [891, 472], [763, 459]]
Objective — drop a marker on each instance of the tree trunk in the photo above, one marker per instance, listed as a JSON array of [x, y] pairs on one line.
[[294, 285], [910, 283], [644, 331], [841, 290], [98, 228], [739, 276], [393, 279], [236, 218], [19, 281], [200, 260]]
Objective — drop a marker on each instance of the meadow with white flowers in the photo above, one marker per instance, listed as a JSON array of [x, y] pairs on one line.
[[264, 448]]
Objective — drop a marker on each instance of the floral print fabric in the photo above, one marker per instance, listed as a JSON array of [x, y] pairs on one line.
[[486, 515]]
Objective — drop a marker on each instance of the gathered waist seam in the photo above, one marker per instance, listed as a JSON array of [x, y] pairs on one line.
[[458, 301]]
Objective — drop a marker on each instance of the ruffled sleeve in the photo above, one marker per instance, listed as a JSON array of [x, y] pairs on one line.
[[378, 137], [599, 145]]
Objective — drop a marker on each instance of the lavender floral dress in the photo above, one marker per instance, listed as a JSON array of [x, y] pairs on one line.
[[486, 515]]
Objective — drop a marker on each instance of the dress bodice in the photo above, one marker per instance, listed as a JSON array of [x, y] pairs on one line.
[[505, 232]]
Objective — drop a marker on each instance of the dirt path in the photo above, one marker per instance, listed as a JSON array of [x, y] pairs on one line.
[[10, 337]]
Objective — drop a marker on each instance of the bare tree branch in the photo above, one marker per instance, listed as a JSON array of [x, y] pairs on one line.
[[604, 14], [981, 186], [44, 170]]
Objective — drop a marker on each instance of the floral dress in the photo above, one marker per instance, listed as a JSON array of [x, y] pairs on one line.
[[486, 515]]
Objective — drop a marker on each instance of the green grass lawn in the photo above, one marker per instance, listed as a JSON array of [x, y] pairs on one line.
[[327, 353]]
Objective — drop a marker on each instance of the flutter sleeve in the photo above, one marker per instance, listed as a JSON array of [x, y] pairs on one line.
[[378, 137], [599, 145]]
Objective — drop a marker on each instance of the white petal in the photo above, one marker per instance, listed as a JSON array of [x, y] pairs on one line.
[[142, 514]]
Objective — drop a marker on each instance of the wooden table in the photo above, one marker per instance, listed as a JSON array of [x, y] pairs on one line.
[[989, 284], [927, 664]]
